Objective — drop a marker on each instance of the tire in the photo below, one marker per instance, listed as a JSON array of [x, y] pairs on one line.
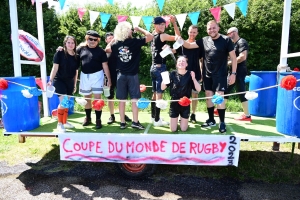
[[135, 171]]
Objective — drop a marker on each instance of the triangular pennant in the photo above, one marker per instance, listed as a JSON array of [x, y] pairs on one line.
[[32, 1], [147, 21], [194, 17], [81, 12], [216, 12], [243, 6], [93, 16], [122, 18], [230, 8], [104, 19], [167, 18], [160, 4], [214, 2], [135, 20], [181, 19], [111, 2], [62, 4]]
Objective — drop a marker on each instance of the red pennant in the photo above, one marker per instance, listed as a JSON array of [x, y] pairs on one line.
[[98, 104], [296, 69], [3, 84], [39, 82], [288, 82], [216, 12]]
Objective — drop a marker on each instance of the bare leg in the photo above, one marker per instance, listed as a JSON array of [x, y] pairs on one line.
[[245, 107], [194, 102], [135, 110], [184, 124], [122, 111], [173, 124]]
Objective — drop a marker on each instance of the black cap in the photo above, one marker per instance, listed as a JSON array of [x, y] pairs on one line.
[[109, 34], [159, 20], [93, 33]]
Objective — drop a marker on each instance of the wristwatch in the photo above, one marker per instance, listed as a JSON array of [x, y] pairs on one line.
[[234, 73]]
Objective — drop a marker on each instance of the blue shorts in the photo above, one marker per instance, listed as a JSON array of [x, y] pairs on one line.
[[128, 84], [156, 77]]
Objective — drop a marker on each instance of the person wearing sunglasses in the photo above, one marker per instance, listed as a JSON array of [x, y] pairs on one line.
[[216, 48], [93, 62], [128, 51], [194, 64], [112, 64], [159, 64], [241, 49]]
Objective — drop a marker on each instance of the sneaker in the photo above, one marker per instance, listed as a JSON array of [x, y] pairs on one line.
[[111, 120], [60, 128], [243, 117], [160, 122], [193, 118], [137, 125], [98, 124], [68, 125], [123, 125], [208, 123], [222, 127], [216, 113], [86, 122], [127, 119]]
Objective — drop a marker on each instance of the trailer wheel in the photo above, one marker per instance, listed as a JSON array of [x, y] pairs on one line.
[[135, 171]]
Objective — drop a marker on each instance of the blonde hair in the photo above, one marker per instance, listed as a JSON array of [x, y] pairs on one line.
[[122, 31]]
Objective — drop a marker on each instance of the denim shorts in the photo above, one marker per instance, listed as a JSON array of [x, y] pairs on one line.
[[156, 77]]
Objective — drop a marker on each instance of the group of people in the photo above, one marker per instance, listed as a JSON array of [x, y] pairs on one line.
[[200, 62]]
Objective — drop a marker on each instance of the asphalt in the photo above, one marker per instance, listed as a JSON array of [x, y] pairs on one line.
[[101, 181]]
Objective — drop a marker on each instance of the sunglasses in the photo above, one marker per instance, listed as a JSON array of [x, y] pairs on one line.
[[92, 39]]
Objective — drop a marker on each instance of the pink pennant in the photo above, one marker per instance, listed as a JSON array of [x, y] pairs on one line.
[[167, 18], [122, 18], [32, 1], [216, 12], [81, 12]]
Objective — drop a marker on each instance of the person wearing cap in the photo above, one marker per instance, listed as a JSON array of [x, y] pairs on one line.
[[112, 65], [128, 51], [241, 51], [159, 63], [216, 48], [93, 62], [194, 64]]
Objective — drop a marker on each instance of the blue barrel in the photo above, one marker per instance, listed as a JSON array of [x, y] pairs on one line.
[[265, 104], [288, 108], [18, 112], [54, 101]]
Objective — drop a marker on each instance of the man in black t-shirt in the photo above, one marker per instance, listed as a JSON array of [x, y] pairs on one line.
[[128, 52], [93, 62], [159, 63], [216, 48], [241, 51], [194, 56], [112, 65]]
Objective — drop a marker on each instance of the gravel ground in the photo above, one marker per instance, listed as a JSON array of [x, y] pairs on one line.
[[97, 181]]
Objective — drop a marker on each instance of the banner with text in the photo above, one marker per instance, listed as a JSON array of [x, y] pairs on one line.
[[151, 148]]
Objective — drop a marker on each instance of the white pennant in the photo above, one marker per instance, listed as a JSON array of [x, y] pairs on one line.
[[93, 16], [51, 4], [230, 8], [135, 20], [181, 19]]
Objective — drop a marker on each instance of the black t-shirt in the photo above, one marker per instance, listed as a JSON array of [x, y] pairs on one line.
[[156, 48], [67, 65], [180, 85], [215, 54], [112, 63], [91, 59], [193, 56], [128, 55], [240, 46]]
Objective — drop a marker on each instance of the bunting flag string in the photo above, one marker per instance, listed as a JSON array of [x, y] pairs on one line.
[[181, 18]]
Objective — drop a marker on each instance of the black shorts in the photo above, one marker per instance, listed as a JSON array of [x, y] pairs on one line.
[[241, 73], [176, 109], [113, 78], [215, 83], [128, 84], [63, 86]]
